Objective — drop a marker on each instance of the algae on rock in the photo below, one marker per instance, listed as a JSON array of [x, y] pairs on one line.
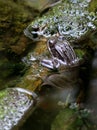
[[15, 106]]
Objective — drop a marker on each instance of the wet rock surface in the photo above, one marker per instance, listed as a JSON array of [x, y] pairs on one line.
[[16, 105]]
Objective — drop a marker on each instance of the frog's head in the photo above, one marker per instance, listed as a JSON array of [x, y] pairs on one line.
[[62, 54], [32, 32], [37, 32]]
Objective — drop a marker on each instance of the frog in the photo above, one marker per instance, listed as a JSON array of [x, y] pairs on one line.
[[68, 18]]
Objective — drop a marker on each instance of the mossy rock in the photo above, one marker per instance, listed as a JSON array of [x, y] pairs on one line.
[[16, 105]]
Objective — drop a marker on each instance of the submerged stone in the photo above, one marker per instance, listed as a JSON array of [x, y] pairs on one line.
[[16, 105]]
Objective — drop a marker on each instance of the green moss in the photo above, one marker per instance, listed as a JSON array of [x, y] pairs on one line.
[[2, 94], [70, 119], [9, 68], [10, 72], [15, 16], [93, 6], [80, 53]]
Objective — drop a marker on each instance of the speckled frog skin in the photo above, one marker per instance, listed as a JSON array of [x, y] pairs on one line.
[[70, 18]]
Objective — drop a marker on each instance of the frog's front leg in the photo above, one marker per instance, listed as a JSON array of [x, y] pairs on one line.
[[50, 63]]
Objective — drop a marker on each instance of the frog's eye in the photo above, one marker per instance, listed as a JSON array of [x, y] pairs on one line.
[[52, 41], [35, 29], [32, 32]]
